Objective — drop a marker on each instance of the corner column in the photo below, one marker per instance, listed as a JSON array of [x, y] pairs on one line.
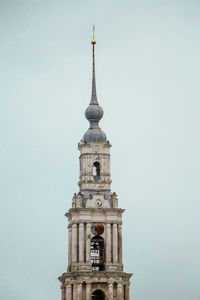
[[63, 293], [115, 244], [120, 243], [127, 291], [68, 292], [81, 242], [74, 243], [69, 248]]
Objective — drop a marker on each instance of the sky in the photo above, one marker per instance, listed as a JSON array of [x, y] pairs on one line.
[[147, 71]]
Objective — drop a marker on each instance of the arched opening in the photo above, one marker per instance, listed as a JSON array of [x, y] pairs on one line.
[[96, 171], [98, 295], [97, 253]]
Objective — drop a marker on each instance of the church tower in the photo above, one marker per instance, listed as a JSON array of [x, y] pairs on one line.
[[95, 264]]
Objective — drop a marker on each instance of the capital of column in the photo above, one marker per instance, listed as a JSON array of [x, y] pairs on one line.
[[113, 222], [88, 284], [119, 284]]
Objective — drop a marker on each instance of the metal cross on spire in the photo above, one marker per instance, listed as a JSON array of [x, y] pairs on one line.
[[94, 94], [93, 40]]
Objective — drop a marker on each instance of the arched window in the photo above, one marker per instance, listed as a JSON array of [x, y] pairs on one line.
[[98, 295], [96, 171], [97, 253]]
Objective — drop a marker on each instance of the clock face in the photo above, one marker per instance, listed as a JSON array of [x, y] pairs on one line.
[[99, 203], [97, 229]]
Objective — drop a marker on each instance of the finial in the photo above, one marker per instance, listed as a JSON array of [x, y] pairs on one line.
[[93, 41], [94, 93], [94, 112]]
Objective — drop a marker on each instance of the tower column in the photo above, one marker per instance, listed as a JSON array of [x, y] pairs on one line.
[[119, 291], [127, 291], [115, 244], [110, 291], [88, 238], [79, 291], [74, 243], [120, 242], [88, 291], [69, 292], [63, 293], [74, 292], [81, 242], [108, 243], [69, 248]]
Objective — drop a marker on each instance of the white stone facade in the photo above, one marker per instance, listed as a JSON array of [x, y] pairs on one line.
[[95, 205], [89, 154]]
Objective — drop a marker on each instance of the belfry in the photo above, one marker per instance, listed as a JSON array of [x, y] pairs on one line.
[[95, 264]]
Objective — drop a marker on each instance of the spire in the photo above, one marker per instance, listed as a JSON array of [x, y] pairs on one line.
[[94, 93], [94, 112]]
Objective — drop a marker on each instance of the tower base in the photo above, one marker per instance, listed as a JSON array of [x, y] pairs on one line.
[[95, 285]]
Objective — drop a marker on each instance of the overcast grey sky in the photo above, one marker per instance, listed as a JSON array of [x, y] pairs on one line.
[[148, 84]]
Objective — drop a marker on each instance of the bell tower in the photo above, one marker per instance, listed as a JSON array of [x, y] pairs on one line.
[[95, 263]]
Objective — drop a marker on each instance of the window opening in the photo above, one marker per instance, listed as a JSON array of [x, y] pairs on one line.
[[96, 171], [97, 253], [98, 295]]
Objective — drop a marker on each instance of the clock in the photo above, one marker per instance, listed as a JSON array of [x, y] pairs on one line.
[[97, 229], [98, 203]]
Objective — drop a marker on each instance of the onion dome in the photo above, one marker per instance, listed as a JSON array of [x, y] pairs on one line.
[[94, 112]]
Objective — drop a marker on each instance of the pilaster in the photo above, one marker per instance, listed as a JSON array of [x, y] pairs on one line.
[[69, 292], [108, 243], [81, 242], [88, 241], [127, 291], [110, 291], [115, 244], [79, 291], [69, 248], [88, 291], [120, 243], [74, 243], [119, 291]]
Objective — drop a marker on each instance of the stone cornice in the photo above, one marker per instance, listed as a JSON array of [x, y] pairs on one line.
[[92, 222], [94, 153], [81, 144], [92, 210], [88, 277]]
